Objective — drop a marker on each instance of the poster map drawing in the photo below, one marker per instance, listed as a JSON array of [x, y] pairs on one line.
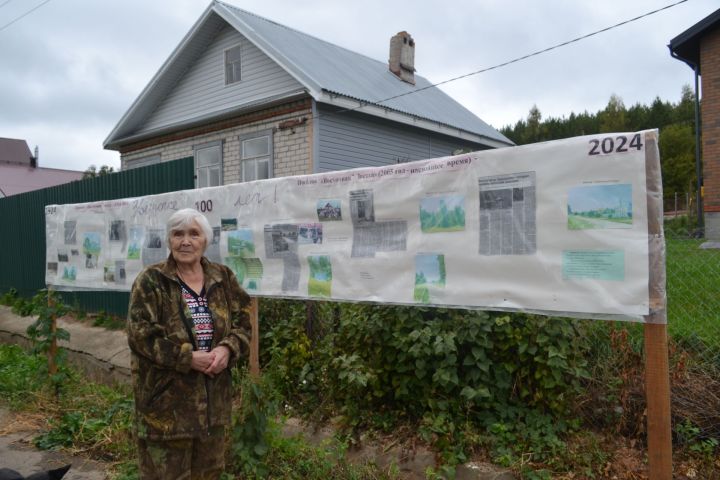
[[547, 228]]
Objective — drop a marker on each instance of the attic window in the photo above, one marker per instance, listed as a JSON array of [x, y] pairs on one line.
[[232, 65]]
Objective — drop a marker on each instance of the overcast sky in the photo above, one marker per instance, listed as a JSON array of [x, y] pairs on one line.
[[70, 69]]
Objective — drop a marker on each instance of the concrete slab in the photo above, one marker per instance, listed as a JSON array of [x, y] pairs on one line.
[[18, 453], [102, 354]]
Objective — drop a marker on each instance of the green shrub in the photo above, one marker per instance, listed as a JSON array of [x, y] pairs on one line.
[[437, 369], [88, 427], [8, 298]]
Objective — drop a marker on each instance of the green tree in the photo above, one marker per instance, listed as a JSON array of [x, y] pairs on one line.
[[534, 129], [677, 154], [676, 122], [612, 119], [685, 110], [661, 113], [638, 117], [93, 171]]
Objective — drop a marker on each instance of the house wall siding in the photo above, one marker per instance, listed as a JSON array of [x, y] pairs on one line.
[[202, 90], [351, 140], [291, 146], [710, 67]]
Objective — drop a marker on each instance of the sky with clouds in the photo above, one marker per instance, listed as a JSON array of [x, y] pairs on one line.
[[71, 68]]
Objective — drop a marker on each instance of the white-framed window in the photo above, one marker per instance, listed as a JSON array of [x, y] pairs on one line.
[[233, 67], [208, 164], [142, 162], [256, 154]]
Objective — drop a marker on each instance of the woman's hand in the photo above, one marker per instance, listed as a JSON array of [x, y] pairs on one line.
[[201, 361], [220, 360]]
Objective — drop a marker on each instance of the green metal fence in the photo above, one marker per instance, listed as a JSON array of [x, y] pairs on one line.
[[22, 226]]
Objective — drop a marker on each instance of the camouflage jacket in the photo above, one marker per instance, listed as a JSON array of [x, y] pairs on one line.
[[171, 400]]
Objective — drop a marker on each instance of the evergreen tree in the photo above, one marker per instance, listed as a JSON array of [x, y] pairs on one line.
[[661, 113], [677, 154], [676, 123]]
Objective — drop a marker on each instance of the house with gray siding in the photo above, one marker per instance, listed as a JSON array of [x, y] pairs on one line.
[[249, 98]]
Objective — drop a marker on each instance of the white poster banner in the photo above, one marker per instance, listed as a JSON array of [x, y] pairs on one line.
[[558, 228]]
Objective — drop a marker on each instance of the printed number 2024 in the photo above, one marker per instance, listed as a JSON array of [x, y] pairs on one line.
[[609, 145]]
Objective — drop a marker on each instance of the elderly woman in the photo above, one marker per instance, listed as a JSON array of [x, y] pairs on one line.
[[188, 322]]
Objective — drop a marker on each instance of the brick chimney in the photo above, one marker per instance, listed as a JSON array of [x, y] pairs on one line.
[[402, 57]]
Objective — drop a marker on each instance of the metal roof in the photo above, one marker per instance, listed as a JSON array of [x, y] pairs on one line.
[[686, 46], [16, 151], [16, 179], [331, 74]]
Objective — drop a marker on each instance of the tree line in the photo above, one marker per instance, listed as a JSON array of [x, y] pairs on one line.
[[676, 122]]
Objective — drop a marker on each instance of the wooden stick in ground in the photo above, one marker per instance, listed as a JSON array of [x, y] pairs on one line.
[[255, 339], [657, 393], [52, 351], [657, 371]]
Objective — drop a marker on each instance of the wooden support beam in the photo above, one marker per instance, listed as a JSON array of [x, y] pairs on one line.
[[657, 369], [255, 337], [657, 394], [53, 350]]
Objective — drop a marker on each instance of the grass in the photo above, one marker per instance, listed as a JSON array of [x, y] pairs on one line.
[[85, 417], [319, 288], [436, 229], [293, 459], [96, 420], [693, 276], [21, 376], [577, 222], [107, 321]]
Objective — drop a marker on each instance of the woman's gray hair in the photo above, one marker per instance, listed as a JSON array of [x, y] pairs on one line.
[[184, 218]]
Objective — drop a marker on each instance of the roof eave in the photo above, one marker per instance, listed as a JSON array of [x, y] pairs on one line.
[[686, 46], [693, 62], [116, 144], [409, 119], [111, 138]]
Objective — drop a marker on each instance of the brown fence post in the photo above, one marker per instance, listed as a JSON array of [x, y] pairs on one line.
[[657, 370], [255, 337], [52, 351], [657, 394]]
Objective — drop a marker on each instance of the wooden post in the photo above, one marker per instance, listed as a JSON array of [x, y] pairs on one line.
[[657, 394], [657, 371], [52, 351], [255, 338]]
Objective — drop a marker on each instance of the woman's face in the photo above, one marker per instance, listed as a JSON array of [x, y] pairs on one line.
[[188, 244]]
